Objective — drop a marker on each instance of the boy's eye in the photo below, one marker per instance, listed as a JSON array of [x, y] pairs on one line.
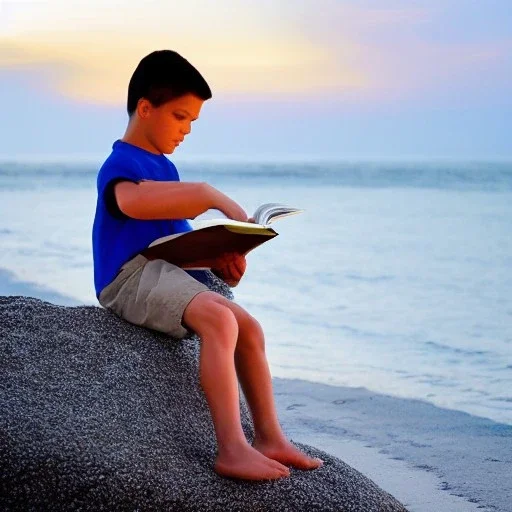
[[178, 117]]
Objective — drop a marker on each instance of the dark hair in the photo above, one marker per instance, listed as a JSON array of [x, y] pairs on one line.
[[162, 76]]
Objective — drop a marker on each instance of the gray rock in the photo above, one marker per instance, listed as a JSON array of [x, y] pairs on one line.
[[99, 414]]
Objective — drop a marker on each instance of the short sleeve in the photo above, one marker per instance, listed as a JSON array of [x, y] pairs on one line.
[[107, 179], [110, 199]]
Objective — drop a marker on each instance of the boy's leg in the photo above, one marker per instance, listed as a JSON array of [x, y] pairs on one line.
[[256, 381], [217, 327]]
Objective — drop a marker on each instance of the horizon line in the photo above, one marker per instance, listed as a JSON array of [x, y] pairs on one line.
[[93, 158]]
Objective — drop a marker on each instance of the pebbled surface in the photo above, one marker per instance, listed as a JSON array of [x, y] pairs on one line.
[[100, 414]]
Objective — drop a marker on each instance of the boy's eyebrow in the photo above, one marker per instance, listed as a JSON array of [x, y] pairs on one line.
[[188, 114]]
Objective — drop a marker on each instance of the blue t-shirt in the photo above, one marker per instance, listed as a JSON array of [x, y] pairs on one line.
[[117, 238]]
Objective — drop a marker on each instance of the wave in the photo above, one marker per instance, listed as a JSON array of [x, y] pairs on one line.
[[480, 175], [456, 350]]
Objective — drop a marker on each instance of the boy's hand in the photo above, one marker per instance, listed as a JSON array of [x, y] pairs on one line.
[[226, 205], [230, 267]]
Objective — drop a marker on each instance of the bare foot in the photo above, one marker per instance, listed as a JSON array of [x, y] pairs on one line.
[[247, 463], [285, 452]]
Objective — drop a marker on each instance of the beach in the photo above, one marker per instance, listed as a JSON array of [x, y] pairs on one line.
[[385, 306], [425, 457], [430, 459]]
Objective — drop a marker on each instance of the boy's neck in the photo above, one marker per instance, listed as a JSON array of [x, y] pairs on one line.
[[136, 138]]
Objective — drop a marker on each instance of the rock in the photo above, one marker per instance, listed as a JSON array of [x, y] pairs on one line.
[[99, 414]]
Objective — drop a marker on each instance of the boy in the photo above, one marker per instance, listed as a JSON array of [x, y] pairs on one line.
[[140, 198]]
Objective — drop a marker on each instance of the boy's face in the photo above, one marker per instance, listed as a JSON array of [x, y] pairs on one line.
[[166, 126]]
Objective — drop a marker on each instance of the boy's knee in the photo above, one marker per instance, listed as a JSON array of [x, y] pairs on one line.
[[249, 325], [205, 315], [251, 336]]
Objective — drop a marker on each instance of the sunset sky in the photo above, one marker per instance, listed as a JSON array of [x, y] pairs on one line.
[[290, 79]]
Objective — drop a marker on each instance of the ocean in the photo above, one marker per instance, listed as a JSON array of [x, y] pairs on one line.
[[395, 278]]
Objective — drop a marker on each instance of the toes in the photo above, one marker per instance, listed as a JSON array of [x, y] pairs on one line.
[[302, 461], [277, 473], [284, 472], [313, 463], [316, 462], [280, 467]]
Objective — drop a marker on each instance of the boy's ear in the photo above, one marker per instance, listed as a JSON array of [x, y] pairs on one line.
[[143, 108]]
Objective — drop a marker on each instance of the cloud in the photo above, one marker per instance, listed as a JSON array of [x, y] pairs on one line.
[[239, 49], [347, 52], [412, 51]]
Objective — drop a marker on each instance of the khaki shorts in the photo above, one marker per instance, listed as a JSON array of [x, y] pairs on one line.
[[153, 294]]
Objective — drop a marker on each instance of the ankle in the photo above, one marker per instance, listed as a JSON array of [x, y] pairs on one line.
[[232, 445], [269, 437]]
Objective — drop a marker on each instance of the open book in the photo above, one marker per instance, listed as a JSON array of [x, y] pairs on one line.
[[198, 249]]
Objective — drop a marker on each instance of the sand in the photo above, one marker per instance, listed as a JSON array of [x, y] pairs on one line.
[[431, 459]]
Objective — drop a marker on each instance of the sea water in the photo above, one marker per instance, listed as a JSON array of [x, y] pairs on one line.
[[396, 277]]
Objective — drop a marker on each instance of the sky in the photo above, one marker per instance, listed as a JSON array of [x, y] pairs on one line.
[[294, 79]]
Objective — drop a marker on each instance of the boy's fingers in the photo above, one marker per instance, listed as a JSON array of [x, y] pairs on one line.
[[224, 259], [240, 265], [231, 266], [234, 271], [227, 271]]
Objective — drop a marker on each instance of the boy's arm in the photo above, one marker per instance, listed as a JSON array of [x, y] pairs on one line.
[[173, 200]]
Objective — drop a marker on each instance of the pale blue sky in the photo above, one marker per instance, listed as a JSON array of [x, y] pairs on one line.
[[294, 79]]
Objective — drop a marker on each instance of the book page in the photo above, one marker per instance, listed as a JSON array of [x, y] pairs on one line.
[[269, 212], [251, 226], [263, 216]]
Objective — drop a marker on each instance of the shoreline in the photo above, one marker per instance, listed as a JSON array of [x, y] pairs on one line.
[[418, 490], [427, 457]]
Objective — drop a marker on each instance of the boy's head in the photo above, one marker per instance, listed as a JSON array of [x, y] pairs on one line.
[[165, 95]]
